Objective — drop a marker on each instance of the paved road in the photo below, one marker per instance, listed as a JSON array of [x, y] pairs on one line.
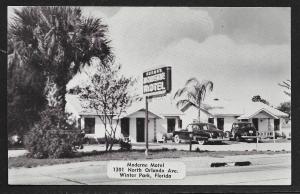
[[265, 170]]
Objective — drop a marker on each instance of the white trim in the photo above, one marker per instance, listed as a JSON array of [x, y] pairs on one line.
[[257, 112]]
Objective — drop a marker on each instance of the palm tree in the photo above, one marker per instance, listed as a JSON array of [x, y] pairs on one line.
[[287, 85], [58, 40], [193, 93]]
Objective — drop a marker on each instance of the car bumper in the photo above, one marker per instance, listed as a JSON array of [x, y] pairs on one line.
[[218, 139], [248, 137]]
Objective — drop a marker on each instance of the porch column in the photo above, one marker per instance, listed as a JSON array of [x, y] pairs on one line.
[[154, 129]]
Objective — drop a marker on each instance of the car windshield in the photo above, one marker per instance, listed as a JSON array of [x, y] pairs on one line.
[[246, 125], [212, 127], [192, 127]]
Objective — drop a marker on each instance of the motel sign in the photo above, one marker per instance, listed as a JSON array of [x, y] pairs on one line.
[[157, 82]]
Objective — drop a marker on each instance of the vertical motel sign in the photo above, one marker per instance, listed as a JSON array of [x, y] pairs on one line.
[[156, 83]]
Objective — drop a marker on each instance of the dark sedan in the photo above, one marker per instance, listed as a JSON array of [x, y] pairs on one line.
[[200, 132], [243, 131]]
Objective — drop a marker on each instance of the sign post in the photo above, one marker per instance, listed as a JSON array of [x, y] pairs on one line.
[[146, 123], [156, 83]]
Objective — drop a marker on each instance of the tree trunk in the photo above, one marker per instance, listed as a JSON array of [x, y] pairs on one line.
[[111, 145], [106, 142], [199, 110], [112, 142]]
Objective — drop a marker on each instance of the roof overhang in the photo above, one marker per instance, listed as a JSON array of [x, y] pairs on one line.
[[159, 116], [256, 113]]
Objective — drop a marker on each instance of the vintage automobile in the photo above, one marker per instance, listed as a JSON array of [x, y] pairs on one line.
[[242, 131], [200, 132]]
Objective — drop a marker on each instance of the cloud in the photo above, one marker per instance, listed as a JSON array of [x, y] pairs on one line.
[[147, 31], [244, 51], [262, 25], [239, 71]]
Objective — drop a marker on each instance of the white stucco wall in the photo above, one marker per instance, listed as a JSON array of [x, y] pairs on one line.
[[132, 125], [99, 127], [191, 114], [161, 126], [228, 121]]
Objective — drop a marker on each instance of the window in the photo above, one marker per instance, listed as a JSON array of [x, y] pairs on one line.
[[211, 120], [171, 125], [244, 120], [193, 127], [89, 125]]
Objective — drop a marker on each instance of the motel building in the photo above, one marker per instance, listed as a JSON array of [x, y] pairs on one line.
[[224, 113], [163, 117]]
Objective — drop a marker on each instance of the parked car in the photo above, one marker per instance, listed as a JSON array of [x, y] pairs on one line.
[[243, 131], [200, 132]]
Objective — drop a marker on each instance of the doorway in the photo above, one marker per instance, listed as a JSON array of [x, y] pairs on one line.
[[140, 129], [125, 127], [220, 123], [255, 123], [276, 124]]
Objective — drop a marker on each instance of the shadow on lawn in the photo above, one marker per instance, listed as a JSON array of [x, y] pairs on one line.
[[95, 152]]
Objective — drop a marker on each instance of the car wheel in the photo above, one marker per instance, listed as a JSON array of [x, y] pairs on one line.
[[237, 138], [164, 139], [227, 134], [177, 139], [201, 142]]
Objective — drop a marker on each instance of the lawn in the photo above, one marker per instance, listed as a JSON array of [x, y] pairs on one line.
[[23, 161]]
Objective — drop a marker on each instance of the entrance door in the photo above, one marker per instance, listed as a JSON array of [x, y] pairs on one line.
[[140, 129], [125, 127], [255, 123], [276, 124], [220, 123]]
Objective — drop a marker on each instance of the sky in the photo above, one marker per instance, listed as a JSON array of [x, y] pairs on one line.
[[243, 51]]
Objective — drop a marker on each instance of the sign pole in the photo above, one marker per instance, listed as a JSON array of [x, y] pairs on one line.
[[257, 135], [146, 123], [156, 83]]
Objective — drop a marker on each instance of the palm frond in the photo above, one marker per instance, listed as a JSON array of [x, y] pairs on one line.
[[192, 81], [182, 103]]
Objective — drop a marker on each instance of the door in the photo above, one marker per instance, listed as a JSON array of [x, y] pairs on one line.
[[140, 129], [255, 123], [89, 125], [276, 124], [171, 125], [220, 123], [125, 127]]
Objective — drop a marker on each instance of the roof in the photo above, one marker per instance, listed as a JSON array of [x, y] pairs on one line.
[[246, 111], [159, 107]]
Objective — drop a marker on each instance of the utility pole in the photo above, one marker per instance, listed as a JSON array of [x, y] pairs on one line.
[[146, 124]]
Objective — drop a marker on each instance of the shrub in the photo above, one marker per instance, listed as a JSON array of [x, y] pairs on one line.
[[125, 145], [53, 136]]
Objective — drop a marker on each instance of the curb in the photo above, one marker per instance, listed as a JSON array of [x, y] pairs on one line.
[[222, 164]]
